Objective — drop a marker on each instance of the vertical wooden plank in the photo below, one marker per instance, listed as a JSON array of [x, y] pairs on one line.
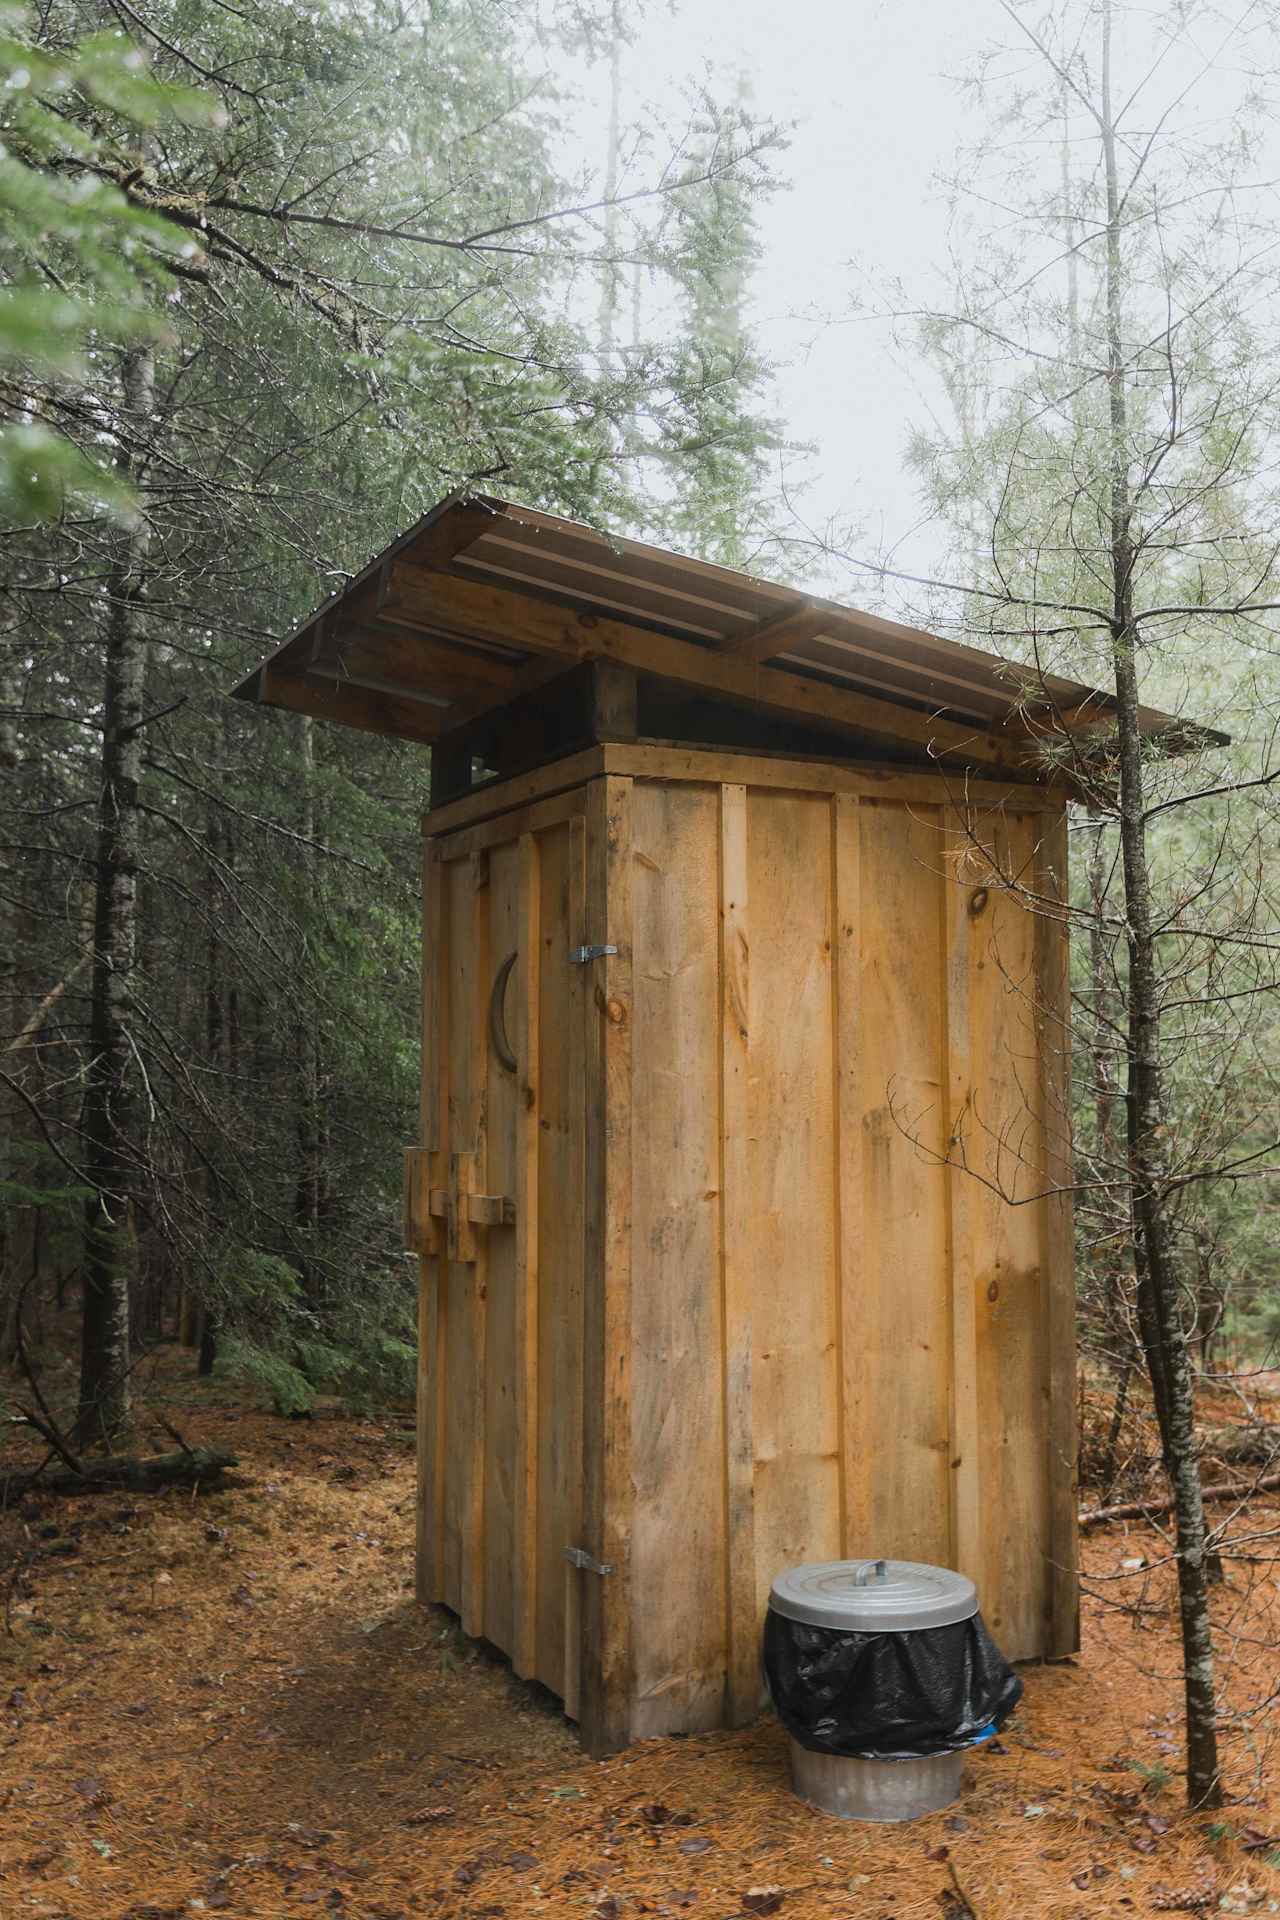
[[606, 1601], [613, 701], [418, 1226], [433, 1096], [571, 1385], [677, 1393], [857, 1460], [906, 1375], [1058, 1231], [561, 987], [457, 1303], [432, 1090], [1004, 1151], [571, 1697], [524, 1543], [794, 1388], [463, 1181], [501, 1351], [957, 898], [472, 1177], [736, 1276]]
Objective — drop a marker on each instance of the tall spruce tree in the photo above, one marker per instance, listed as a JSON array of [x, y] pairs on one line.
[[377, 298], [1109, 493]]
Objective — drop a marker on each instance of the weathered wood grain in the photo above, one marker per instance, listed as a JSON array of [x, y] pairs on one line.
[[736, 1277], [455, 1295], [496, 1229], [561, 1201], [906, 1317], [959, 895], [606, 1652], [737, 1273], [528, 1108], [1006, 1175], [855, 1459], [647, 760], [433, 1107], [791, 1082], [676, 1412]]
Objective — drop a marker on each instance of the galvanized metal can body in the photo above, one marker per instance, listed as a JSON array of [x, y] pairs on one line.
[[883, 1790]]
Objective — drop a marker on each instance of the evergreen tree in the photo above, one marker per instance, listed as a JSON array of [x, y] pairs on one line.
[[715, 440], [1109, 493], [381, 301]]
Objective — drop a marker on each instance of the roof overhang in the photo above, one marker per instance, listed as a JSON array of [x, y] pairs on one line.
[[484, 600]]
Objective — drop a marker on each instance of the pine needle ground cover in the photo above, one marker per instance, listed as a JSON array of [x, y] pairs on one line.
[[230, 1704]]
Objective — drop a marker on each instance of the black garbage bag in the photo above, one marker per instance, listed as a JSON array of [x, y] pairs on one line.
[[888, 1696]]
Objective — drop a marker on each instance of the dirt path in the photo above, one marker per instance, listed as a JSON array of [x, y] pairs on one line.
[[230, 1705]]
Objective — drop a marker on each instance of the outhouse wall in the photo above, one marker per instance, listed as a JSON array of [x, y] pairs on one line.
[[786, 1269]]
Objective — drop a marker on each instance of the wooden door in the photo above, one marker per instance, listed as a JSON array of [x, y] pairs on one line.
[[495, 1209]]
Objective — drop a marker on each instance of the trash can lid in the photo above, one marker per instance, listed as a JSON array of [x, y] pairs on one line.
[[873, 1596]]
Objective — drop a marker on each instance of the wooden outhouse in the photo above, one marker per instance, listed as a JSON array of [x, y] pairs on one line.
[[740, 1195]]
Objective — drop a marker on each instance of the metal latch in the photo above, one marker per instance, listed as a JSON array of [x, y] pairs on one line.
[[580, 955], [577, 1558]]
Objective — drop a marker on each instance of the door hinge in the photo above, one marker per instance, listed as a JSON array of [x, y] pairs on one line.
[[577, 1558], [580, 955]]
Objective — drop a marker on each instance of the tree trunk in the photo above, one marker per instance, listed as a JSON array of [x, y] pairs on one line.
[[208, 1343], [114, 1152], [10, 1020], [204, 1334], [1164, 1336], [1211, 1300], [1110, 1463], [308, 1118]]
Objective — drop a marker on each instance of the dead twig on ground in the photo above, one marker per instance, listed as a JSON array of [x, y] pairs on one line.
[[1154, 1509]]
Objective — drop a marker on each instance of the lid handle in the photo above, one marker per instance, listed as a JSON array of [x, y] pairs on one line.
[[871, 1570]]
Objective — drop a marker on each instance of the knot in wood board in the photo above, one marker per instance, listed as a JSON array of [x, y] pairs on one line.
[[612, 1009]]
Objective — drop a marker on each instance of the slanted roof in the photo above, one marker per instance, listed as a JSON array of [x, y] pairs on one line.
[[485, 600]]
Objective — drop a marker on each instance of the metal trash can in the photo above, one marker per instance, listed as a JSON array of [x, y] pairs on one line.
[[883, 1674]]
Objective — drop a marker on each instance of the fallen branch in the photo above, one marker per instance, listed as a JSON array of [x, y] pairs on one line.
[[26, 1034], [1156, 1509], [49, 1433], [1254, 1445], [957, 1905], [127, 1472]]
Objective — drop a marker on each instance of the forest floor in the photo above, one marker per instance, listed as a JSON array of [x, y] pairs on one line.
[[230, 1704]]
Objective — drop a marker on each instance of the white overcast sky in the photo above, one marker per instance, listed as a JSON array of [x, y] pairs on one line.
[[876, 116], [872, 92]]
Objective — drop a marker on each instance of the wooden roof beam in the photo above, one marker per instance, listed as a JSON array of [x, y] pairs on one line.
[[467, 609], [451, 534], [351, 706], [774, 636], [442, 604], [414, 660]]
